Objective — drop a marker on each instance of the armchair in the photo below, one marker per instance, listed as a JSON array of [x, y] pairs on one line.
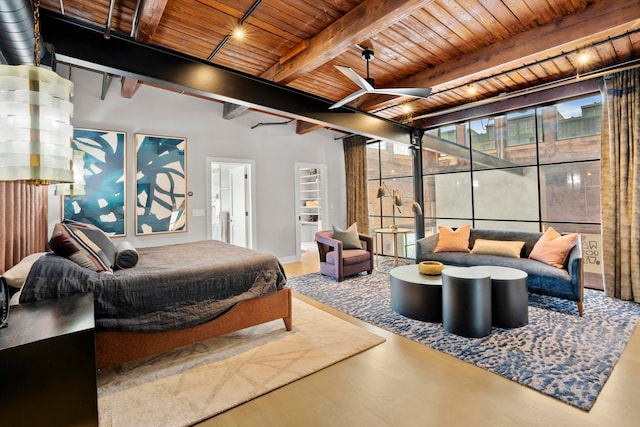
[[340, 263]]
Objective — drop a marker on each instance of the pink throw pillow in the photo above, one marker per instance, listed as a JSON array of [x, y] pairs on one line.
[[552, 248]]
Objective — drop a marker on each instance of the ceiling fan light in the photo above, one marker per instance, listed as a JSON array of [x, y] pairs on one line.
[[367, 54]]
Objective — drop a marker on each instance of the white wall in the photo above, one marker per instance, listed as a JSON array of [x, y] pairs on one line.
[[275, 150]]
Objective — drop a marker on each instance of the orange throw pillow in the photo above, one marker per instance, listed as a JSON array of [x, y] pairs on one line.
[[453, 241], [552, 248]]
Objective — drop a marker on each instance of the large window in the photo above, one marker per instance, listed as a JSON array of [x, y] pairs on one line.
[[527, 170]]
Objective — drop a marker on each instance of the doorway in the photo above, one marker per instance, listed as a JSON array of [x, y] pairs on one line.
[[311, 205], [230, 216]]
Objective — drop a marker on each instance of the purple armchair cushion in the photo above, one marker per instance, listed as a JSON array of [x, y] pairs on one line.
[[349, 256]]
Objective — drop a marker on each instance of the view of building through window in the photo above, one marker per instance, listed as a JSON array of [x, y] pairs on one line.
[[529, 170]]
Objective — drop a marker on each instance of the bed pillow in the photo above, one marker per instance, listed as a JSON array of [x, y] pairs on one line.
[[552, 248], [17, 275], [84, 244], [126, 255], [506, 248], [453, 241], [349, 237]]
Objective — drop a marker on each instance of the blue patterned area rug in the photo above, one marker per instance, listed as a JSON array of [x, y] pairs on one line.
[[558, 353]]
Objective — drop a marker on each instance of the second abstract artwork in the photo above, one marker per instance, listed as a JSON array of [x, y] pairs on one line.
[[161, 202]]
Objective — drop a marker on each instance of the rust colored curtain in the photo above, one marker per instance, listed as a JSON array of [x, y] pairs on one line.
[[620, 184], [355, 164], [23, 221]]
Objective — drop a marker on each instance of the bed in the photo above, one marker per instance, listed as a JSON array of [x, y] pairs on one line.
[[175, 295]]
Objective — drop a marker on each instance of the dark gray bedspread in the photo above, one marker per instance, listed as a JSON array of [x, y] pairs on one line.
[[171, 287]]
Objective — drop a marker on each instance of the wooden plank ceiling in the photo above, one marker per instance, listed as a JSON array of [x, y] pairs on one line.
[[465, 50]]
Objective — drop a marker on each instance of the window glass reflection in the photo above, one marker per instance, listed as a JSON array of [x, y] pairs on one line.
[[570, 192], [507, 194]]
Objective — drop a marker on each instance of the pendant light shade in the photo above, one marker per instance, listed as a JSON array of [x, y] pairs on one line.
[[35, 125], [77, 187]]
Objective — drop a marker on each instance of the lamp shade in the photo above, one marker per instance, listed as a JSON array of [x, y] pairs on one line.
[[397, 198], [77, 187], [35, 125]]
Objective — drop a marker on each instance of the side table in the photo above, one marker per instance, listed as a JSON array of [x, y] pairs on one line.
[[394, 233], [466, 301], [509, 296], [48, 364]]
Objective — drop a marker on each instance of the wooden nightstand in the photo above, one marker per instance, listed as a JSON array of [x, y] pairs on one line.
[[48, 364]]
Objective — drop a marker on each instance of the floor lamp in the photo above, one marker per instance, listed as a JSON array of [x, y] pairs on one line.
[[383, 191]]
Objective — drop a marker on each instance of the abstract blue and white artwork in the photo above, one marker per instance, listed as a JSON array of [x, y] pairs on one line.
[[161, 184], [103, 203]]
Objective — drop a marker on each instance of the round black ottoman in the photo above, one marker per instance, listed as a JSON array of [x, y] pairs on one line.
[[466, 301], [415, 295], [509, 297]]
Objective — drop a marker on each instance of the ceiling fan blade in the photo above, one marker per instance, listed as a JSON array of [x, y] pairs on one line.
[[349, 98], [399, 91], [354, 77]]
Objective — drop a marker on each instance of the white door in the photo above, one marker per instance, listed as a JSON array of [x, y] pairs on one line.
[[230, 210], [238, 214]]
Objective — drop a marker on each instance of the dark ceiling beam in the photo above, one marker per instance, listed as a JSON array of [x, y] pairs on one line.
[[83, 45]]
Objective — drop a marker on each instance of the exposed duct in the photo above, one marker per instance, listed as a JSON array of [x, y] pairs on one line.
[[16, 32]]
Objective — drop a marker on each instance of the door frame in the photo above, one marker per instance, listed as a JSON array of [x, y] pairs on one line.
[[250, 192], [324, 197]]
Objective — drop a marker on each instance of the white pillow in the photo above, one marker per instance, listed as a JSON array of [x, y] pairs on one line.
[[17, 275]]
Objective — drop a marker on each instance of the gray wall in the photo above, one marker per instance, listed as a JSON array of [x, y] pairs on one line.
[[275, 149]]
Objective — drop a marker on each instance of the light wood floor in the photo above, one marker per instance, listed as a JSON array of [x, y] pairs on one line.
[[402, 383]]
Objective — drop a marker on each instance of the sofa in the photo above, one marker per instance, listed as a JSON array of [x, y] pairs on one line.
[[542, 278]]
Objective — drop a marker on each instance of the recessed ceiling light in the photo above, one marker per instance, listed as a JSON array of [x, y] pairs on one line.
[[583, 57], [472, 89], [238, 32]]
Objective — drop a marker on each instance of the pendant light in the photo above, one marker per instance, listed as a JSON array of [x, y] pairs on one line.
[[35, 121]]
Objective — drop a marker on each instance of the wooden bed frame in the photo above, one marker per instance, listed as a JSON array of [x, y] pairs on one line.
[[113, 348]]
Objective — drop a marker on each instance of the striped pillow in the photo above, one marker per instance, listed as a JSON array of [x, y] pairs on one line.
[[84, 244]]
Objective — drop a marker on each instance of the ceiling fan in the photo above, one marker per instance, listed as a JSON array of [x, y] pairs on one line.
[[367, 84]]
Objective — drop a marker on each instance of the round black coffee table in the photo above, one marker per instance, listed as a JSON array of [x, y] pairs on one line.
[[466, 301], [509, 296], [416, 295]]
